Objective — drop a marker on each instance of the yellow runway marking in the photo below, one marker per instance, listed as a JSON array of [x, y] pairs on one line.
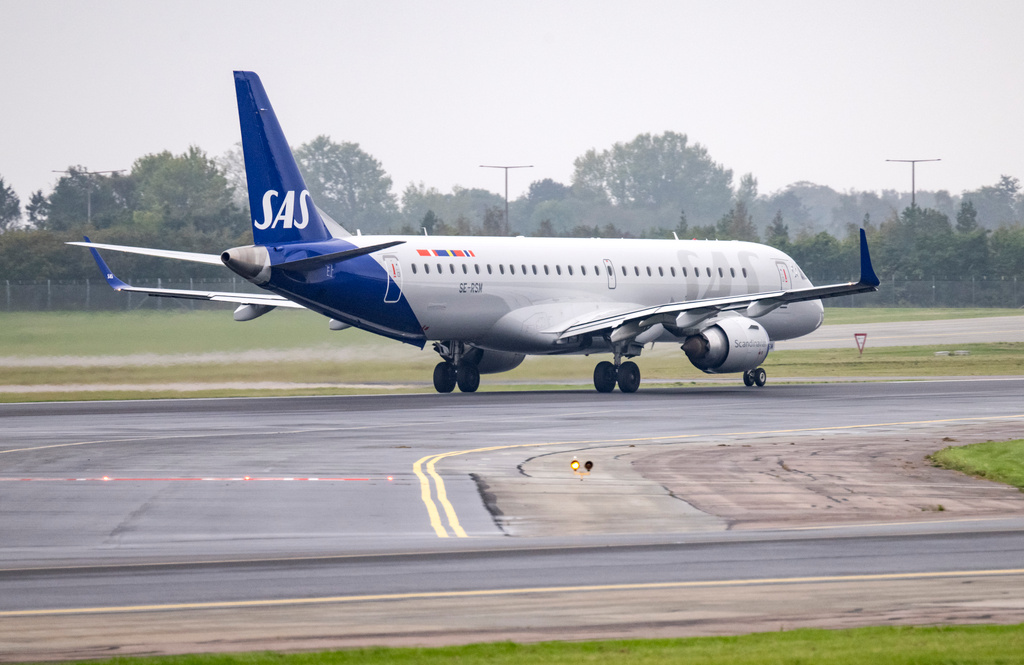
[[485, 593], [453, 520]]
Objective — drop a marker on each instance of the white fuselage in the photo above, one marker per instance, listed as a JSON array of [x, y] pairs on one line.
[[509, 293]]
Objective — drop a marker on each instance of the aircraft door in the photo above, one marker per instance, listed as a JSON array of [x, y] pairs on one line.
[[394, 270], [785, 278], [610, 270]]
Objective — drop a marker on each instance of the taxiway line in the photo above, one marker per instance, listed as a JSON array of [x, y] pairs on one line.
[[477, 593], [432, 460]]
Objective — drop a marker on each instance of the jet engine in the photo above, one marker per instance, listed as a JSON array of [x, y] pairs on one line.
[[734, 344], [492, 362]]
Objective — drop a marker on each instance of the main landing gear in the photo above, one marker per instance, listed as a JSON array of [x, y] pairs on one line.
[[447, 375], [606, 375], [755, 377], [454, 370]]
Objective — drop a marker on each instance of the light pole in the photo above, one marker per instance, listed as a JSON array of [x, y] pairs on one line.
[[485, 166], [88, 191], [913, 186]]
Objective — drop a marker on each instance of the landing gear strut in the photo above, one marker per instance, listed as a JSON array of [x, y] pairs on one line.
[[755, 377]]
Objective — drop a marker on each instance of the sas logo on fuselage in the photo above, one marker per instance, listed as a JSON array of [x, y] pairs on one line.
[[285, 210]]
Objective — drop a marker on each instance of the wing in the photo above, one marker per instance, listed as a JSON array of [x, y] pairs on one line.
[[261, 301], [629, 322]]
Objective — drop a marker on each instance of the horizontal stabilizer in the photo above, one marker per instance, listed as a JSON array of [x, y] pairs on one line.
[[195, 257], [314, 262], [258, 300]]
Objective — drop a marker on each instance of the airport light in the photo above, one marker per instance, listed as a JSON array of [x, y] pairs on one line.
[[913, 186], [88, 191], [508, 227]]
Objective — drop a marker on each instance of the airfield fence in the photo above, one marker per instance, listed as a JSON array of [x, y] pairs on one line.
[[96, 295]]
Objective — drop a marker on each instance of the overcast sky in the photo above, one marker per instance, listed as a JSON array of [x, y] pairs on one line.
[[787, 90]]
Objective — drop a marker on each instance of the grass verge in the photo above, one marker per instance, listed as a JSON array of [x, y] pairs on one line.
[[198, 354], [897, 645], [839, 315], [1001, 461], [168, 332]]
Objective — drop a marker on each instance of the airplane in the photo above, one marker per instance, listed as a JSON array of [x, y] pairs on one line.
[[484, 303]]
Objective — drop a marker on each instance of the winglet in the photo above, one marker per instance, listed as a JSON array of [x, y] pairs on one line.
[[867, 273], [114, 282]]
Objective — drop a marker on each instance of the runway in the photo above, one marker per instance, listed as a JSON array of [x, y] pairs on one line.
[[313, 522]]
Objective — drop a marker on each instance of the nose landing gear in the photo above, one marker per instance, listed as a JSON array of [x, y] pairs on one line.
[[755, 377]]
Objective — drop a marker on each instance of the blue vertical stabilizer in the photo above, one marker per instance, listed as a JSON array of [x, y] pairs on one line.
[[282, 210]]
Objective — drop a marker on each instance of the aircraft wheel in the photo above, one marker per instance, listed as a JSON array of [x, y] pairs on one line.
[[760, 377], [444, 377], [629, 377], [748, 378], [468, 377], [604, 377]]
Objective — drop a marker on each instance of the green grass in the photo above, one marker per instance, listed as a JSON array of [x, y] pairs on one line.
[[998, 359], [838, 315], [122, 333], [888, 645], [1001, 461], [355, 357]]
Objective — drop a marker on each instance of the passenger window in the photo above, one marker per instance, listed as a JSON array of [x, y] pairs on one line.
[[524, 268], [534, 268], [512, 268], [452, 267], [623, 271], [744, 272], [465, 269], [636, 269], [661, 271], [609, 269], [501, 268], [708, 271], [732, 272], [570, 269], [426, 268], [558, 269], [684, 271], [649, 271], [720, 274], [546, 270], [673, 269], [583, 270], [488, 268], [414, 268], [476, 266], [440, 270]]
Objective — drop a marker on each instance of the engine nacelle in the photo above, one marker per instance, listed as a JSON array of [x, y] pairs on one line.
[[731, 345], [492, 362]]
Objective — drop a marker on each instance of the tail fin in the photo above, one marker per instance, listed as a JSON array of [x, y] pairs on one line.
[[279, 202]]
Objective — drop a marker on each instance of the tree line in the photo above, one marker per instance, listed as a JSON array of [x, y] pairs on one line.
[[651, 187]]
